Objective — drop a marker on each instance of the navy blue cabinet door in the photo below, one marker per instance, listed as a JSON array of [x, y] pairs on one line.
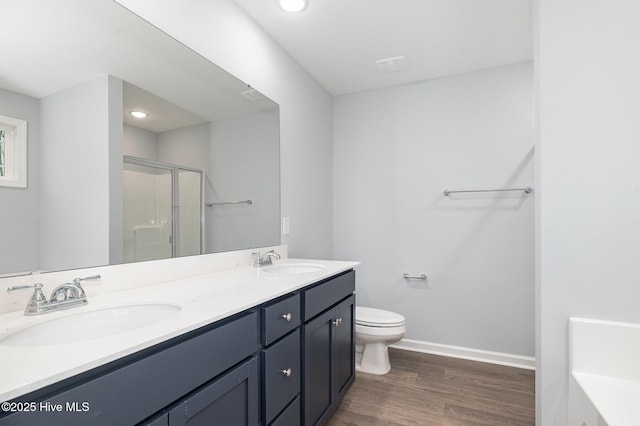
[[159, 420], [328, 361], [343, 348], [231, 400], [317, 396]]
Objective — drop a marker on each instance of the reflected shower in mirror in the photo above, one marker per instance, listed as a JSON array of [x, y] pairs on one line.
[[163, 210], [94, 168]]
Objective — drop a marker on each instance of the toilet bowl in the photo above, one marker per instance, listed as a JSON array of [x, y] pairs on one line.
[[376, 329]]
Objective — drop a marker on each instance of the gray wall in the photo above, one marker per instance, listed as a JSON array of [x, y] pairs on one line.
[[187, 146], [139, 142], [396, 149], [243, 164], [114, 152], [20, 206], [75, 224], [588, 237], [305, 106]]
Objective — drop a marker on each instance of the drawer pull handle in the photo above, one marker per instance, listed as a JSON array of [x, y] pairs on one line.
[[337, 321], [286, 373], [287, 317]]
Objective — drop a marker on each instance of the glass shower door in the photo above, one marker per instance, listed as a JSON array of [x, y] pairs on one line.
[[148, 212], [189, 214], [163, 210]]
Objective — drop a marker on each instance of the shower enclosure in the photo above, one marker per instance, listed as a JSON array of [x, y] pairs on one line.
[[163, 207]]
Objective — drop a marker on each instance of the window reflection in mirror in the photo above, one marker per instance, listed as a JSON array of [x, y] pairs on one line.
[[2, 155], [13, 149]]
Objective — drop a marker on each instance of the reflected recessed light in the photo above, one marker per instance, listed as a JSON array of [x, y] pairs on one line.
[[138, 114], [292, 5]]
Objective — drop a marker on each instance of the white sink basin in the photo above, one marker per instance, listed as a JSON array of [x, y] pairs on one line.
[[90, 325], [294, 268]]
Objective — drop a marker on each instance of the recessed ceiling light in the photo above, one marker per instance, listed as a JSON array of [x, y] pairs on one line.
[[292, 5], [138, 114]]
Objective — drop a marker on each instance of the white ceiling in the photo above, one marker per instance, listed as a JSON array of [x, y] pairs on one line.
[[339, 41], [49, 46], [162, 115]]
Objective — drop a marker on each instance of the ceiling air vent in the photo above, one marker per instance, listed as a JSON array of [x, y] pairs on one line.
[[391, 65], [253, 95]]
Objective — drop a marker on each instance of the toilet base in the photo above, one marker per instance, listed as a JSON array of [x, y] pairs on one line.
[[373, 358]]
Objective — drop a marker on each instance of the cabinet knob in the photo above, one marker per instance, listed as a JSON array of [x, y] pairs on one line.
[[337, 321], [286, 373], [287, 317]]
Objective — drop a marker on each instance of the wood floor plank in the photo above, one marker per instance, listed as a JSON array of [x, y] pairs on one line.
[[390, 402], [423, 389], [347, 418], [456, 414]]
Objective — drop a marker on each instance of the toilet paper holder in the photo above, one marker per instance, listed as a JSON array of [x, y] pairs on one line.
[[414, 277]]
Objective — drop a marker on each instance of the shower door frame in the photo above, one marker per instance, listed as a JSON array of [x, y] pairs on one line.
[[175, 200]]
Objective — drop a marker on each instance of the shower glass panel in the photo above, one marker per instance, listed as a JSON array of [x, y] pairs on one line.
[[163, 210], [148, 213], [189, 219]]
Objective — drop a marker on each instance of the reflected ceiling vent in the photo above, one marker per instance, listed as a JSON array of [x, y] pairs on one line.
[[253, 95], [391, 65]]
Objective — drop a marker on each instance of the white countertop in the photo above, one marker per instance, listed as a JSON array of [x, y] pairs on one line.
[[203, 299]]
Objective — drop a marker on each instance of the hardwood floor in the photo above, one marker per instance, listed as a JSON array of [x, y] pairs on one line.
[[423, 389]]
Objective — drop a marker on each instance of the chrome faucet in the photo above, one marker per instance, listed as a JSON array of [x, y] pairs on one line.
[[64, 296], [264, 259]]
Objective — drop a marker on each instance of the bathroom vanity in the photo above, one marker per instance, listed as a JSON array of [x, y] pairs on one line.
[[286, 360]]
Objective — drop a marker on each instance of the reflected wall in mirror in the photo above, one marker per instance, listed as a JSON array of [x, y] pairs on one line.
[[74, 74]]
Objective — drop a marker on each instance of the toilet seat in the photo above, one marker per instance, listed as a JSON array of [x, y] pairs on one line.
[[367, 332], [378, 318]]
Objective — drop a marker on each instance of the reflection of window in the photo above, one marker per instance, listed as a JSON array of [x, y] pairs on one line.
[[1, 152], [13, 152]]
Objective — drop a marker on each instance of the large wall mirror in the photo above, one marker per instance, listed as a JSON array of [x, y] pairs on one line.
[[198, 173]]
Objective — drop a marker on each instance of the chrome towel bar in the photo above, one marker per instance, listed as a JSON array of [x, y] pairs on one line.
[[223, 203], [527, 190]]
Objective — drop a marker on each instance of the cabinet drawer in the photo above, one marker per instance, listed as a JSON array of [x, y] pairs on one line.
[[290, 416], [281, 370], [280, 318], [328, 293]]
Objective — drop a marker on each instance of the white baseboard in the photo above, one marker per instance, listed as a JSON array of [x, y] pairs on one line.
[[500, 358]]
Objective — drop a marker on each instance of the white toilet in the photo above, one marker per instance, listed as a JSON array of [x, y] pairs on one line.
[[376, 329]]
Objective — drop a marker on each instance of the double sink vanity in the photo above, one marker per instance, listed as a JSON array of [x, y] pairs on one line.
[[268, 345]]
